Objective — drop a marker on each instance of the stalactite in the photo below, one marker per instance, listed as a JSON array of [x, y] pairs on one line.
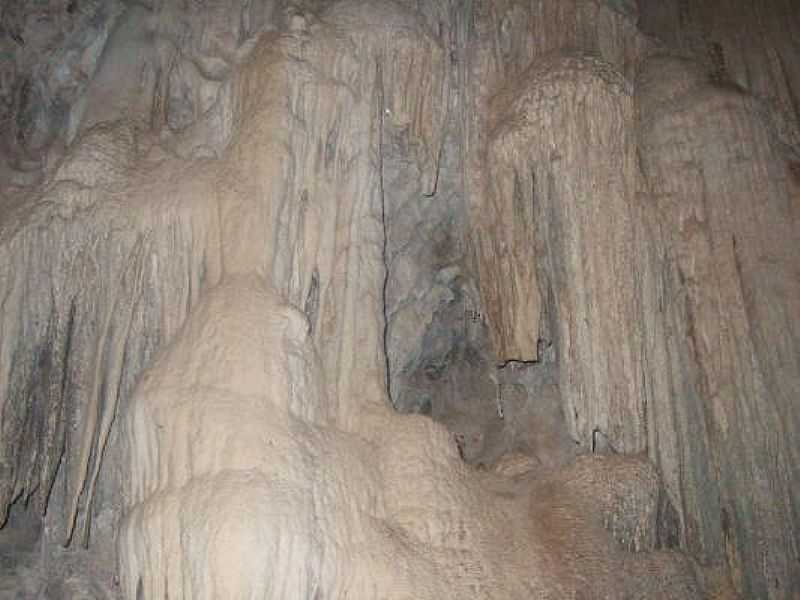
[[214, 245], [105, 281]]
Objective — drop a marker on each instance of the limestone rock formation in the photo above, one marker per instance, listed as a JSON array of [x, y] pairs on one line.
[[722, 205], [240, 239], [751, 46], [239, 484]]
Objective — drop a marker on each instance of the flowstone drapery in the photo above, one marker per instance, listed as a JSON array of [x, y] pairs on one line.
[[211, 282]]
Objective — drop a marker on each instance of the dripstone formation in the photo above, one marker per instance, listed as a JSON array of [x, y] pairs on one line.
[[399, 300]]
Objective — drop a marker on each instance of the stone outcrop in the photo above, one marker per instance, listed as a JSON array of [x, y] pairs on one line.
[[748, 45], [67, 65], [721, 152]]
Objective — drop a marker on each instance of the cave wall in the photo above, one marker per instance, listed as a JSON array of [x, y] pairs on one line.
[[721, 202], [384, 201], [644, 260], [749, 45]]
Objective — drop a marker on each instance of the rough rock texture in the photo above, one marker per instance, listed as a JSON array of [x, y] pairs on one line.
[[233, 234], [239, 485], [172, 235], [67, 65], [571, 181], [110, 271], [429, 287], [49, 52], [509, 37], [750, 45], [552, 186], [307, 167], [728, 292]]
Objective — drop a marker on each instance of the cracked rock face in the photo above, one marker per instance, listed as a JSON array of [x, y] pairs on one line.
[[398, 299]]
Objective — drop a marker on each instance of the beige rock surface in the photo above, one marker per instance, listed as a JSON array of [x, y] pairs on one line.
[[238, 484], [566, 182], [194, 329], [510, 39], [748, 45], [729, 294]]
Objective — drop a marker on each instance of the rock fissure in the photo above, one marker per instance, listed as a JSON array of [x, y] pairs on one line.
[[398, 299]]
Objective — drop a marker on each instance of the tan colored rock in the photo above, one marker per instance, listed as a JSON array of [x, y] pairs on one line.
[[728, 292], [322, 470], [300, 195], [511, 38], [243, 298], [237, 485], [284, 199], [748, 45], [111, 269], [562, 183]]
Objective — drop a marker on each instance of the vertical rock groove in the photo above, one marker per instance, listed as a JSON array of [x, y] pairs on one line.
[[241, 240]]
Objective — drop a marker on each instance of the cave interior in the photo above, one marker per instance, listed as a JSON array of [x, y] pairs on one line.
[[399, 299]]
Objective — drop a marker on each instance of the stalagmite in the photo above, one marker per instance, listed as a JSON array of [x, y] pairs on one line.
[[240, 240], [240, 485]]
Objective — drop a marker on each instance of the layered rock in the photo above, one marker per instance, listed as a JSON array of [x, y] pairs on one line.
[[66, 65], [238, 403], [509, 38], [540, 283], [307, 169], [127, 218]]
